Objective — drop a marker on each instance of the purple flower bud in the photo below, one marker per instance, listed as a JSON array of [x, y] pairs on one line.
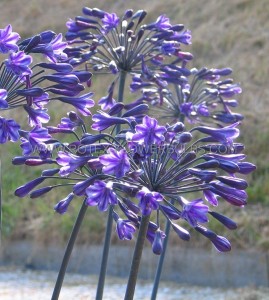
[[3, 96], [40, 192], [246, 167], [211, 197], [230, 224], [204, 175], [231, 195], [157, 245], [138, 110], [133, 207], [59, 67], [103, 120], [128, 14], [221, 244], [26, 188], [50, 172], [184, 137], [206, 232], [62, 206], [237, 183], [181, 232], [170, 212], [116, 109]]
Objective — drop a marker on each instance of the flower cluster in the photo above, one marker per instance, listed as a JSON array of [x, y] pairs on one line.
[[107, 43], [128, 162], [198, 96], [30, 81], [147, 169]]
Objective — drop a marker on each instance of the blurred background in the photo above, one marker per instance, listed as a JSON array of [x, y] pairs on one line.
[[224, 34]]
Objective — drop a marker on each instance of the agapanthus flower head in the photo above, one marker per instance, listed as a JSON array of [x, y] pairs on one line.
[[151, 170], [202, 96], [109, 42]]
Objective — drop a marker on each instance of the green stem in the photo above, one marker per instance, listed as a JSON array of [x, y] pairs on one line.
[[130, 289], [102, 274], [68, 251], [160, 263], [161, 260]]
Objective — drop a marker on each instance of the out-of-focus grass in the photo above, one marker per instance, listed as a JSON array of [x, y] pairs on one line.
[[225, 33]]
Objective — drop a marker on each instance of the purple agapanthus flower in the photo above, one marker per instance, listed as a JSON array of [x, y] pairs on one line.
[[34, 140], [125, 229], [101, 194], [110, 21], [53, 50], [8, 40], [115, 162], [70, 162], [3, 97], [103, 121], [148, 200], [194, 211], [149, 132], [36, 116], [18, 63], [162, 23], [9, 130], [82, 103]]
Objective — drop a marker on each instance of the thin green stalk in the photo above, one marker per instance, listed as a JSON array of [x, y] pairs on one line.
[[160, 263], [130, 289], [68, 251], [102, 274]]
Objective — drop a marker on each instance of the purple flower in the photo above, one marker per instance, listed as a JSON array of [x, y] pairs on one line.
[[224, 135], [42, 100], [3, 97], [82, 103], [101, 194], [62, 206], [34, 140], [70, 162], [162, 23], [19, 63], [110, 21], [108, 101], [8, 40], [149, 132], [36, 116], [186, 108], [115, 162], [9, 130], [125, 229], [103, 120], [148, 200], [53, 50], [194, 211]]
